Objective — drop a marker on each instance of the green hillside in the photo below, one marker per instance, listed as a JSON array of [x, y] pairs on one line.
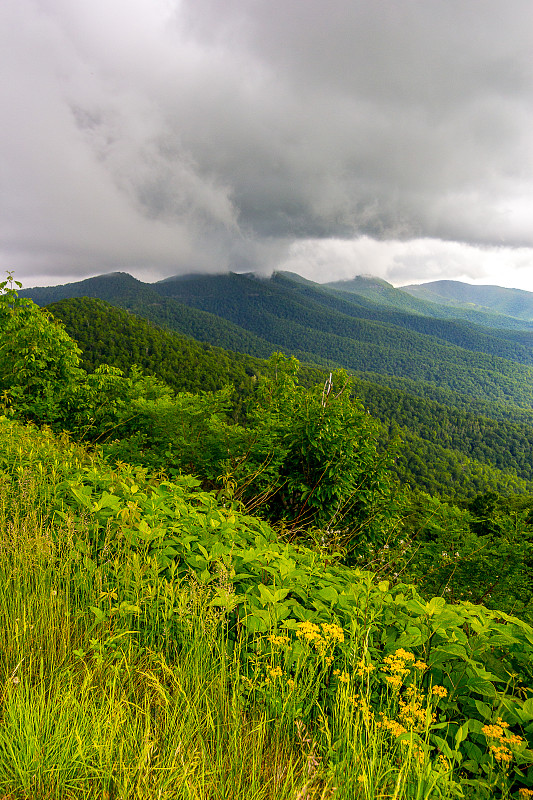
[[496, 299], [301, 319], [109, 335], [233, 296], [120, 289], [421, 300]]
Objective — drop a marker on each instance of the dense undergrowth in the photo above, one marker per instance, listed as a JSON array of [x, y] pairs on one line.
[[159, 642]]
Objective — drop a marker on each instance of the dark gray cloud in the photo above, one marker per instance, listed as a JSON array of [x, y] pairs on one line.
[[160, 136]]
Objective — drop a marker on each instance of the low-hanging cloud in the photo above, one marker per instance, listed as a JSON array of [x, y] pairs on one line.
[[159, 136]]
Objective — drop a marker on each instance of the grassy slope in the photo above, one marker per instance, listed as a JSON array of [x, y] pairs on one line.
[[120, 681]]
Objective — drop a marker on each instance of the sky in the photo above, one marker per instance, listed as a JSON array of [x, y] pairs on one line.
[[162, 137]]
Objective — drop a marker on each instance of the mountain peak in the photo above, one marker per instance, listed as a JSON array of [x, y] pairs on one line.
[[360, 282]]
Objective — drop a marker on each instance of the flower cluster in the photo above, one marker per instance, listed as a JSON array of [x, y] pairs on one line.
[[364, 669], [397, 729], [308, 631], [412, 712], [278, 641], [275, 672], [391, 725], [343, 677], [501, 740], [399, 664], [396, 666], [322, 637], [332, 632], [360, 703]]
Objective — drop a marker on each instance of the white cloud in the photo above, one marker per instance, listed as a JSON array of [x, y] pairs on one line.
[[412, 261]]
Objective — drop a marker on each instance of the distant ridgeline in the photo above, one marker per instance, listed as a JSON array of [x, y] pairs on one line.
[[454, 383]]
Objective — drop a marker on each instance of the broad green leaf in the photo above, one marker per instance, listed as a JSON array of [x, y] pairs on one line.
[[435, 605], [484, 710]]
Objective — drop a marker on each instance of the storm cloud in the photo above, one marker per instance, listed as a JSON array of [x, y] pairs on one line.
[[339, 138]]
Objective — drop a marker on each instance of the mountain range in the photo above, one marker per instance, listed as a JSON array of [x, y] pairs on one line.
[[330, 326], [457, 392]]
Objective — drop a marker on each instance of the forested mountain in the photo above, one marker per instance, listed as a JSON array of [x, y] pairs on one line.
[[444, 450], [110, 335], [496, 299], [124, 291], [421, 300], [256, 315]]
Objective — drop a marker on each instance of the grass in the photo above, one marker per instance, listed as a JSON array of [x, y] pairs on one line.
[[100, 712], [116, 682]]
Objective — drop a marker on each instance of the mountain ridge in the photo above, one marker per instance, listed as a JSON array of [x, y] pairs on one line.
[[517, 303], [258, 314]]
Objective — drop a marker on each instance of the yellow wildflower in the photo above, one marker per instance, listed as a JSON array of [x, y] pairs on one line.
[[493, 731], [404, 655], [308, 631], [392, 726], [362, 705], [333, 632], [504, 740], [395, 664], [278, 641], [412, 714], [501, 753], [523, 794], [344, 677], [275, 672], [421, 665], [439, 691], [394, 680], [443, 762], [364, 669]]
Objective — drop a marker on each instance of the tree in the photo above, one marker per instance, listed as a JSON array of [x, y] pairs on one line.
[[331, 474], [39, 362]]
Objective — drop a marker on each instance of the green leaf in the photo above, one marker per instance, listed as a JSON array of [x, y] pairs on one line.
[[527, 708], [328, 594], [484, 710], [461, 733], [108, 500], [83, 495], [225, 599], [435, 605], [98, 613]]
